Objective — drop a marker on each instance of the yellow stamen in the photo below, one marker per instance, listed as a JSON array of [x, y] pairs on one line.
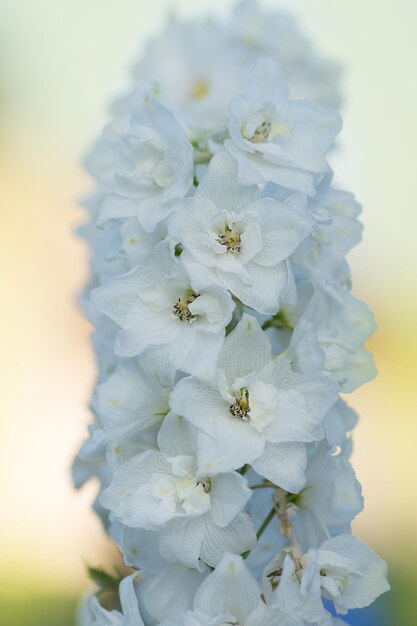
[[200, 90]]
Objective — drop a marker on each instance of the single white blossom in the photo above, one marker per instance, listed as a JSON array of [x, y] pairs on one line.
[[147, 168], [197, 69], [160, 310], [256, 409], [342, 325], [329, 500], [275, 139], [342, 569], [234, 238], [322, 255], [199, 514], [132, 403]]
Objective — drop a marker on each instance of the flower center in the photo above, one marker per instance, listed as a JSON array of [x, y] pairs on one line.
[[182, 491], [200, 90], [231, 239], [182, 311], [240, 408], [261, 132], [205, 483]]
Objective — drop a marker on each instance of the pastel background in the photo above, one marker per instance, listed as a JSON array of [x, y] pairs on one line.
[[61, 61]]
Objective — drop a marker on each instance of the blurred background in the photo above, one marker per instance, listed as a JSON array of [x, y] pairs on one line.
[[60, 64]]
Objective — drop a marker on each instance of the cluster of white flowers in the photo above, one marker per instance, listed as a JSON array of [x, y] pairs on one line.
[[224, 331]]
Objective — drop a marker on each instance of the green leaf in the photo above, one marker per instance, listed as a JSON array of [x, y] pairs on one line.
[[105, 581]]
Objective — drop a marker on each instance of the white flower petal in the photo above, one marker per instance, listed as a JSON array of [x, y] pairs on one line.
[[181, 542], [129, 602], [369, 572], [283, 229], [263, 291], [247, 349], [176, 436], [284, 465], [229, 494], [229, 589], [220, 184], [237, 537]]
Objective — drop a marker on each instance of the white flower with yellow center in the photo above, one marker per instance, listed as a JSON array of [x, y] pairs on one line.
[[256, 409], [275, 139], [198, 513], [160, 312], [235, 238], [197, 70]]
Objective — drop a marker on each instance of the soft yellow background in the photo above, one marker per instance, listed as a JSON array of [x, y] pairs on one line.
[[61, 62]]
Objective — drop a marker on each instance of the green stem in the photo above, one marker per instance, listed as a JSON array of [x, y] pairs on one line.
[[263, 486], [244, 469], [262, 528], [266, 522]]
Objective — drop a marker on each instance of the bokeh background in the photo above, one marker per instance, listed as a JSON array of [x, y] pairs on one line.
[[61, 61]]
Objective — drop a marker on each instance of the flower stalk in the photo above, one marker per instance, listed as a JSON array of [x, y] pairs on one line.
[[225, 334]]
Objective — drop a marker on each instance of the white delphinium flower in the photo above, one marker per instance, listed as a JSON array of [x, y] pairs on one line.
[[322, 255], [342, 569], [342, 325], [131, 405], [277, 35], [256, 409], [307, 356], [129, 615], [198, 513], [329, 500], [147, 165], [275, 139], [234, 238], [160, 310], [197, 69]]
